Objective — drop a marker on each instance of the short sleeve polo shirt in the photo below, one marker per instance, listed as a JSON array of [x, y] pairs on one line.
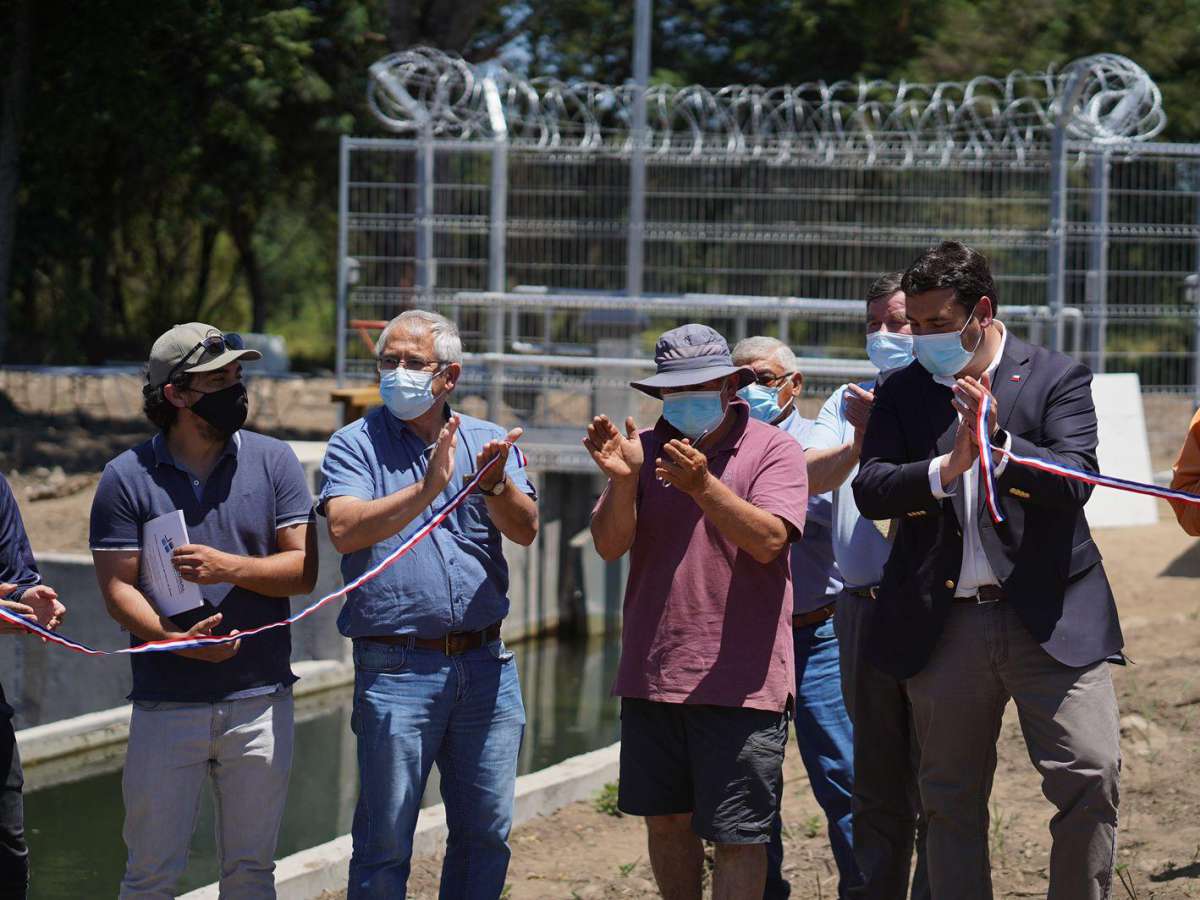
[[704, 622], [256, 488]]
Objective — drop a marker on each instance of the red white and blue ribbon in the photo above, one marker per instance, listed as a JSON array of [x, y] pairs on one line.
[[193, 643], [991, 493]]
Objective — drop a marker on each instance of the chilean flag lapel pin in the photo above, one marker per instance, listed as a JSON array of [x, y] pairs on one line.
[[1015, 378]]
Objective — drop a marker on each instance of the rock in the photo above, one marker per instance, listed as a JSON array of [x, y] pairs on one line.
[[1143, 737], [57, 485]]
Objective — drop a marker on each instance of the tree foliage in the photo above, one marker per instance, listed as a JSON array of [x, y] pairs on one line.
[[178, 159]]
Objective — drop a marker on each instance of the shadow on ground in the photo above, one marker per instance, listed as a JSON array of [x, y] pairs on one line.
[[1185, 565], [1191, 870]]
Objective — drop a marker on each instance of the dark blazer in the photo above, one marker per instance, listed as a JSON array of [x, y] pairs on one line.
[[1043, 554]]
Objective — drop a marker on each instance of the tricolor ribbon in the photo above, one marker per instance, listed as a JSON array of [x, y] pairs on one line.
[[192, 643], [991, 493]]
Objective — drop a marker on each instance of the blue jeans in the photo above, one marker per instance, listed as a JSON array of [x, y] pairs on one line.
[[825, 738], [412, 708]]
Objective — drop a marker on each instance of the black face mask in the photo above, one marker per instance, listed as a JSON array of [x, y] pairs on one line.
[[225, 410]]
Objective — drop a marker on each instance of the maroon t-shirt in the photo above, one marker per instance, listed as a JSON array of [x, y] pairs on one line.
[[703, 621]]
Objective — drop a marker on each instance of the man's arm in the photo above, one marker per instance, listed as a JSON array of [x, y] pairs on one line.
[[117, 575], [1069, 438], [513, 511], [355, 524], [830, 459], [828, 469], [17, 565], [759, 532], [614, 520], [290, 571], [762, 534], [1187, 478]]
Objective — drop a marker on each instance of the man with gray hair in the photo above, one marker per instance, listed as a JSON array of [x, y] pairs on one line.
[[823, 730], [433, 680]]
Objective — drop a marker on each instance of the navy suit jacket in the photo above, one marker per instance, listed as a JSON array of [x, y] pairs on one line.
[[1043, 554]]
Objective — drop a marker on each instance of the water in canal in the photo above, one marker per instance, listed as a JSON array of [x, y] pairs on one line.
[[74, 828]]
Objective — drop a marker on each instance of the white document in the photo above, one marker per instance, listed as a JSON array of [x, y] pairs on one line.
[[165, 586]]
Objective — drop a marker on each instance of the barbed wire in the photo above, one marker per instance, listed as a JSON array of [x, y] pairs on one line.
[[1108, 99]]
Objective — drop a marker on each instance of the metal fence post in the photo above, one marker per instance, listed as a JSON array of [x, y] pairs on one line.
[[343, 246], [1057, 261], [635, 242], [1097, 299], [1196, 301], [426, 276], [497, 246]]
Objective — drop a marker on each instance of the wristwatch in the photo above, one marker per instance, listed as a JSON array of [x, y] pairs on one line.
[[497, 489]]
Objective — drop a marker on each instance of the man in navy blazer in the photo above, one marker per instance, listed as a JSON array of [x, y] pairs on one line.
[[974, 613]]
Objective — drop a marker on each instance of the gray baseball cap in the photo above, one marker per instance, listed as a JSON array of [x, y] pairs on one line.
[[691, 354], [194, 347]]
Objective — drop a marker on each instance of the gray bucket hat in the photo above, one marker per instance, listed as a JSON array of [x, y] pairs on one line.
[[691, 354]]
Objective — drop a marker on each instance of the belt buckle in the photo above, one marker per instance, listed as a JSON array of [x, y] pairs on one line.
[[446, 643], [981, 601]]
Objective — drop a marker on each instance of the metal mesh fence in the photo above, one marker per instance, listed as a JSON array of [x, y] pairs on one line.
[[731, 231]]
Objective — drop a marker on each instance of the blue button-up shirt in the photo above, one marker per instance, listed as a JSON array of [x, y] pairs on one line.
[[815, 577], [454, 580]]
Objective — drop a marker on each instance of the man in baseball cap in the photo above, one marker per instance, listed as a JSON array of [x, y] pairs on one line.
[[706, 673], [222, 712]]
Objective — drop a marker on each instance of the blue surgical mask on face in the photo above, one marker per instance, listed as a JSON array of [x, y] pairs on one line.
[[407, 394], [944, 354], [694, 412], [764, 402], [888, 350]]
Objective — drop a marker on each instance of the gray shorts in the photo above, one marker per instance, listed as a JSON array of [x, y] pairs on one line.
[[722, 764]]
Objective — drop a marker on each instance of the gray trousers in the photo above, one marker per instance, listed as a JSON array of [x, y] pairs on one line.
[[244, 748], [1070, 724], [886, 818]]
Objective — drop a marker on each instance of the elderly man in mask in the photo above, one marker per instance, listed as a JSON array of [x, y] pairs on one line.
[[706, 503], [823, 730]]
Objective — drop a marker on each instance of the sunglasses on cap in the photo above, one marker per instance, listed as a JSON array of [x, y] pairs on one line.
[[215, 344]]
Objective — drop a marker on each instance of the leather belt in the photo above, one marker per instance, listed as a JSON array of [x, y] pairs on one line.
[[816, 617], [453, 644], [986, 593], [867, 593]]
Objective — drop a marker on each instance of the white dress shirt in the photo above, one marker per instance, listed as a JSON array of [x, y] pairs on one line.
[[976, 570]]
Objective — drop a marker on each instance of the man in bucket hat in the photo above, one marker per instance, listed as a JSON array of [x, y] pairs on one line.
[[706, 503]]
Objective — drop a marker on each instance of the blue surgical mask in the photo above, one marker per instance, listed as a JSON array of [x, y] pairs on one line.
[[888, 350], [694, 412], [944, 354], [407, 394], [764, 401]]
